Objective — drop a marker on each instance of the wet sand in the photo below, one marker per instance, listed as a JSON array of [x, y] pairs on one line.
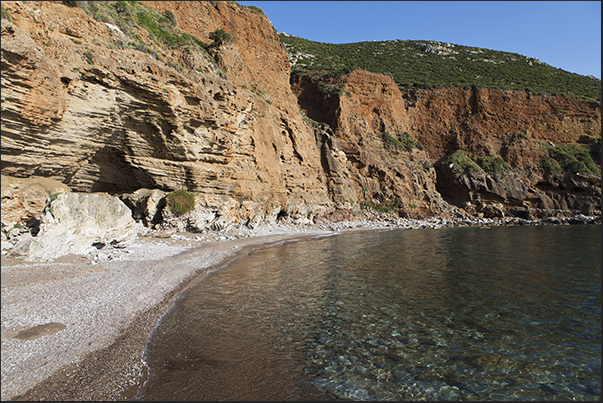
[[99, 316]]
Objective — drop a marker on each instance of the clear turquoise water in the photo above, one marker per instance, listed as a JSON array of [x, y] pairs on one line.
[[508, 313]]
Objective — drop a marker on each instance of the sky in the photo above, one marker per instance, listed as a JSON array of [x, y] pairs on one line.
[[563, 34]]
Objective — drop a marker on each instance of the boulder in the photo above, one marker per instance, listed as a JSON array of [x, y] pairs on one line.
[[146, 205], [226, 216], [25, 198], [78, 223]]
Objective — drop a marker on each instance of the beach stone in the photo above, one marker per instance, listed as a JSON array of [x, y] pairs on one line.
[[5, 245], [200, 218], [75, 222], [447, 392], [39, 331], [580, 219], [21, 246], [13, 233]]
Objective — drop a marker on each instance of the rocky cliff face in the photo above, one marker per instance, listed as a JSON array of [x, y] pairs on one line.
[[82, 109], [77, 109], [401, 147]]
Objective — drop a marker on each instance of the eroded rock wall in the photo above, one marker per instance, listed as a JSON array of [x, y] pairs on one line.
[[78, 109], [395, 145]]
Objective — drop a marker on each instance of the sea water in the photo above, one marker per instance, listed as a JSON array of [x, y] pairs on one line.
[[507, 313]]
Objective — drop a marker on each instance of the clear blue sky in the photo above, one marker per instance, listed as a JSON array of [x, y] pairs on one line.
[[564, 34]]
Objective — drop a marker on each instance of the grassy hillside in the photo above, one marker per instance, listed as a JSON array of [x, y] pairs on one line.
[[435, 64]]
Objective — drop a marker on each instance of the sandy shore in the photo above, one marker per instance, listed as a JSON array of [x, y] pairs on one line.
[[99, 315]]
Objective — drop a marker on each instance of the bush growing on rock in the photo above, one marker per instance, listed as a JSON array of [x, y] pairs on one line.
[[133, 16], [570, 158], [181, 201], [467, 163], [461, 162], [219, 36], [401, 142], [493, 165], [170, 16]]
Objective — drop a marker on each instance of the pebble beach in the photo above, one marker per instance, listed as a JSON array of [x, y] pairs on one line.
[[101, 313], [75, 328]]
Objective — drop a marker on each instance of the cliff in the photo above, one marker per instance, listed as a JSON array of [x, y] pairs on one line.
[[540, 155], [77, 109], [96, 108]]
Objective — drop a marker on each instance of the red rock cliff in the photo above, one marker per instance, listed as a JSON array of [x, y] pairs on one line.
[[515, 126]]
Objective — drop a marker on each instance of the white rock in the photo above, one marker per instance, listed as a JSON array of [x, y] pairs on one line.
[[76, 221]]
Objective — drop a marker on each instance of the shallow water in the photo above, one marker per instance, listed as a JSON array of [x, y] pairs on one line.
[[508, 313]]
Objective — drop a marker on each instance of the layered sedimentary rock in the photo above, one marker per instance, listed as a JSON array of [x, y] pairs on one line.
[[110, 120], [254, 145]]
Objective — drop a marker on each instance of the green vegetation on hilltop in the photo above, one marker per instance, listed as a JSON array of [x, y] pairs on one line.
[[426, 64]]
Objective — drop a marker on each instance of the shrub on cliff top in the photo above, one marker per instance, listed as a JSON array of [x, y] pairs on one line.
[[255, 9], [181, 201]]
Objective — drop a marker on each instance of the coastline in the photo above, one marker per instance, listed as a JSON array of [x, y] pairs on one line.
[[98, 355], [110, 307]]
